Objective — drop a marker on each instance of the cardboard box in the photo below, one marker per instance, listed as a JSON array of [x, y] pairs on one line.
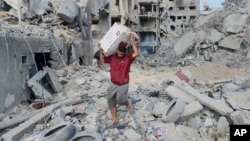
[[117, 34]]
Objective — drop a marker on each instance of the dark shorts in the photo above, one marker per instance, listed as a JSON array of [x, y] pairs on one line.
[[117, 94]]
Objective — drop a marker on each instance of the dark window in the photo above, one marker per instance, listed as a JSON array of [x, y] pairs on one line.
[[192, 17], [172, 18], [24, 60], [192, 8], [181, 8]]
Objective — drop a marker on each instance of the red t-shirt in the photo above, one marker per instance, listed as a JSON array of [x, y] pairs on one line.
[[119, 68]]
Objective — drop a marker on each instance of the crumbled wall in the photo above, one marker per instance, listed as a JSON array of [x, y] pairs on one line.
[[17, 60], [36, 37]]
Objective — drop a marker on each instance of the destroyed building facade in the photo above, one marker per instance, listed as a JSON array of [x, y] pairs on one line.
[[63, 32], [182, 105], [45, 33], [152, 20]]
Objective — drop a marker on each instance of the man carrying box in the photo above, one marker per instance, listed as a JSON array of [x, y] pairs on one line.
[[119, 71]]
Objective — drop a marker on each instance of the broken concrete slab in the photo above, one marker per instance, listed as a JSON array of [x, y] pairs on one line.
[[68, 11], [191, 110], [184, 43], [222, 127], [231, 42], [8, 123], [205, 19], [230, 87], [240, 117], [13, 3], [132, 135], [188, 132], [218, 106], [18, 132], [215, 35], [202, 35], [234, 22], [239, 99], [158, 109], [173, 91]]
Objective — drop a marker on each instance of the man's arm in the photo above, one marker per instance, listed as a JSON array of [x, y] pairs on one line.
[[101, 52], [134, 46]]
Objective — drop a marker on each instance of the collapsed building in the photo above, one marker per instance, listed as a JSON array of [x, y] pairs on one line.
[[36, 34], [43, 34], [50, 37]]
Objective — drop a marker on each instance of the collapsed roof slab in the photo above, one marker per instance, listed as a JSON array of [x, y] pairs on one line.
[[186, 41], [234, 23], [215, 35], [204, 19], [231, 42]]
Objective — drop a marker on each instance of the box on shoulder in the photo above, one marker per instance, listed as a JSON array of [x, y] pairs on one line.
[[116, 35]]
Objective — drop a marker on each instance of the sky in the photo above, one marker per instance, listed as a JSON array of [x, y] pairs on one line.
[[212, 3]]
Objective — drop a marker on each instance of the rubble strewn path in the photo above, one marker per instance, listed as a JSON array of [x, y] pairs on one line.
[[149, 92]]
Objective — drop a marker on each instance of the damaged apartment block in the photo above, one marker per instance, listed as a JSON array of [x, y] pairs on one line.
[[64, 32], [155, 21], [37, 37], [47, 58]]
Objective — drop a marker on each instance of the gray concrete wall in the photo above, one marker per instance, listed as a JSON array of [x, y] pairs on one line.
[[16, 60]]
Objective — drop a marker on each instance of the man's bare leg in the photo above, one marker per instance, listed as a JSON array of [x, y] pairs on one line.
[[113, 111], [130, 107]]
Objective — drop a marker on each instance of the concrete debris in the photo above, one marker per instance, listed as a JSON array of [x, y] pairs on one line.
[[234, 23], [231, 42], [68, 11], [189, 82], [38, 86], [240, 117], [184, 43], [93, 117], [191, 110], [238, 99]]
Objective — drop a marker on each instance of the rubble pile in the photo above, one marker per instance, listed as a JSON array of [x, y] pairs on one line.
[[176, 108], [36, 34], [219, 36], [43, 19], [170, 100]]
